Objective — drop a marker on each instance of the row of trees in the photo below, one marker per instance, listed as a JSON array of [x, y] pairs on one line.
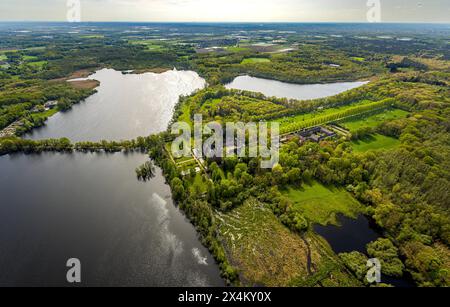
[[338, 115], [14, 145]]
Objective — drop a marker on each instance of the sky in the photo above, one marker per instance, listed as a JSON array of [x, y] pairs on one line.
[[227, 10]]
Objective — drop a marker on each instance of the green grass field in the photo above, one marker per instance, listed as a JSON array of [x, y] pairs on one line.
[[255, 60], [358, 59], [3, 57], [151, 45], [29, 58], [39, 64], [198, 184], [375, 142], [374, 120], [320, 204], [237, 49], [46, 114]]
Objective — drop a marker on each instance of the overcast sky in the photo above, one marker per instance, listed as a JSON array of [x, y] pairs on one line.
[[227, 10]]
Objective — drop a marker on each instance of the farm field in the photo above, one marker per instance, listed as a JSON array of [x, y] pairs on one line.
[[375, 142], [320, 204]]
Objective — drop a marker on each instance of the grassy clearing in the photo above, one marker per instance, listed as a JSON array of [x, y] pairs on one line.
[[45, 115], [198, 184], [237, 49], [375, 142], [374, 120], [38, 65], [255, 61], [3, 57], [358, 59], [185, 115], [320, 204], [29, 58]]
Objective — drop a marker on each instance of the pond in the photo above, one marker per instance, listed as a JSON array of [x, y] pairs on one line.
[[126, 106], [354, 235], [92, 207], [292, 91]]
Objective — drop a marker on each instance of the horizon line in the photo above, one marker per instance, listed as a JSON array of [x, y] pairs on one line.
[[233, 22]]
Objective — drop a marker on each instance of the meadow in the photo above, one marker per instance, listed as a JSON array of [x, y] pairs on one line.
[[321, 204], [372, 121], [375, 142]]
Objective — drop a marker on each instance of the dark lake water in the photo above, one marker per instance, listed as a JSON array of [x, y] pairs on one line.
[[351, 235], [294, 91], [92, 207], [125, 107], [354, 235]]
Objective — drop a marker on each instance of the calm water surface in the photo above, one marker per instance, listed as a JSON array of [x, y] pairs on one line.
[[293, 91], [92, 207], [354, 235], [125, 107]]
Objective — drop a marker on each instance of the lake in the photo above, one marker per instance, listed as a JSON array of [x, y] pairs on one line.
[[126, 106], [92, 207], [292, 91]]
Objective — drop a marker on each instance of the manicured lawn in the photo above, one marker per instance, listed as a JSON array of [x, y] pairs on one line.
[[374, 120], [320, 204], [375, 142], [255, 60]]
